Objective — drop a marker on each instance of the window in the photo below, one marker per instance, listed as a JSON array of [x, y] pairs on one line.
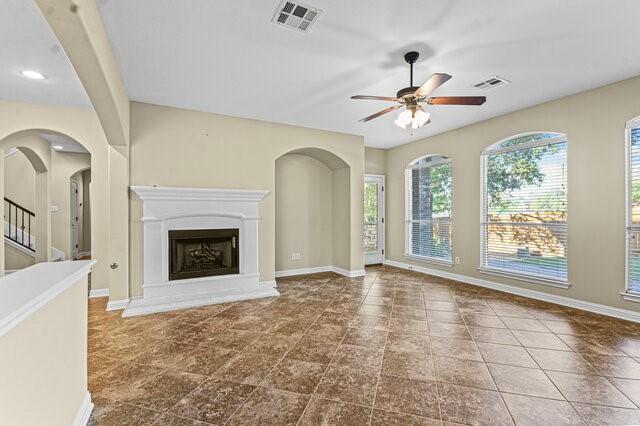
[[524, 208], [428, 213], [633, 210]]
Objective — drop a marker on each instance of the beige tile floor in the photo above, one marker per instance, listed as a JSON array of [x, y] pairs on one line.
[[393, 347]]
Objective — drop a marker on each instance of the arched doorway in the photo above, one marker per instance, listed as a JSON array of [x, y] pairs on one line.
[[313, 212], [52, 158]]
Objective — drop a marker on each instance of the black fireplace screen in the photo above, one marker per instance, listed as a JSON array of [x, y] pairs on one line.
[[197, 253]]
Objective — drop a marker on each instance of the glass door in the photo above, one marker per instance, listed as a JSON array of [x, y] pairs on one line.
[[373, 219]]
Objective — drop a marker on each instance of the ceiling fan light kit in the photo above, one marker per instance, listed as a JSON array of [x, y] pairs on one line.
[[417, 118], [411, 97]]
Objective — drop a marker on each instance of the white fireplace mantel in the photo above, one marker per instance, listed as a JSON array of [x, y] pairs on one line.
[[169, 208]]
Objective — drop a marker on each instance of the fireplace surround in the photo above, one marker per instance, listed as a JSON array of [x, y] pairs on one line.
[[204, 223]]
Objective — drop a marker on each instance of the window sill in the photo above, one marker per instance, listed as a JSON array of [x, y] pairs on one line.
[[526, 278], [427, 259], [631, 297]]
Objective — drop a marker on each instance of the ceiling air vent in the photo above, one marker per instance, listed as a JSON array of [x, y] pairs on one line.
[[297, 16], [492, 82]]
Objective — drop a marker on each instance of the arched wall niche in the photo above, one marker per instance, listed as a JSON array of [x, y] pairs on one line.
[[313, 211]]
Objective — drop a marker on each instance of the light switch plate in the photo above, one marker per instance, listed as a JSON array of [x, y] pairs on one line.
[[54, 208]]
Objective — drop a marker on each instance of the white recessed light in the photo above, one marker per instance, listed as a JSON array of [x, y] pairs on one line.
[[58, 147], [34, 75]]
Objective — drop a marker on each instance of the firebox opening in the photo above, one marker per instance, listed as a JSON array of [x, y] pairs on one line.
[[197, 253]]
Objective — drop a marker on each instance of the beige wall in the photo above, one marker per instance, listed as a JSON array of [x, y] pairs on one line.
[[63, 166], [303, 194], [15, 259], [44, 363], [174, 147], [375, 161], [20, 180], [343, 195], [594, 122]]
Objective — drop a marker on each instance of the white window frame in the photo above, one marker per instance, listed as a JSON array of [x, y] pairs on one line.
[[407, 208], [626, 294], [484, 155]]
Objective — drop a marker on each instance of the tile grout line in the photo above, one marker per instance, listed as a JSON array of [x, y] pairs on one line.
[[432, 356], [637, 405], [572, 350], [274, 366], [292, 346], [211, 378], [311, 395], [485, 363], [384, 350]]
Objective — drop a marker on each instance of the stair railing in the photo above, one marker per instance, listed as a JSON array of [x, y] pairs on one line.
[[19, 222]]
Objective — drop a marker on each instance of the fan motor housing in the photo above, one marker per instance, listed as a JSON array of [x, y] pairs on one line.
[[406, 92]]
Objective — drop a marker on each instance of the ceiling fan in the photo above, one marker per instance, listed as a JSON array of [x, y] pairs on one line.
[[411, 97]]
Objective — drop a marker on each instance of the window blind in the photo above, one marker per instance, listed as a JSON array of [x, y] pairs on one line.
[[633, 213], [524, 223], [429, 209]]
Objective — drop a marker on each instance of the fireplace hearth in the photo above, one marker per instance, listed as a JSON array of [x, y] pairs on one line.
[[195, 253]]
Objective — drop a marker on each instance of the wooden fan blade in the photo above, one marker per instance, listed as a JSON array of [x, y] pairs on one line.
[[374, 98], [457, 100], [435, 81], [383, 112]]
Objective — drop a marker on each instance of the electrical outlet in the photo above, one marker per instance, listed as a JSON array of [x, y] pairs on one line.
[[296, 256], [457, 260]]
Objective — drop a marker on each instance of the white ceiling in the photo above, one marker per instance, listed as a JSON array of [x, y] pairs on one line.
[[229, 58], [27, 43], [66, 143]]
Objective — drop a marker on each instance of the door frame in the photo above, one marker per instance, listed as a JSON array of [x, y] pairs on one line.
[[378, 257], [75, 196]]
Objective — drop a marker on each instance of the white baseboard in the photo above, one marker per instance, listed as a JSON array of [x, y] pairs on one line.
[[114, 305], [141, 306], [350, 274], [597, 308], [303, 271], [98, 292], [318, 269], [84, 412]]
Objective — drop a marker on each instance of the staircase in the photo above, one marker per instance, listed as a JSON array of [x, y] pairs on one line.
[[18, 225]]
